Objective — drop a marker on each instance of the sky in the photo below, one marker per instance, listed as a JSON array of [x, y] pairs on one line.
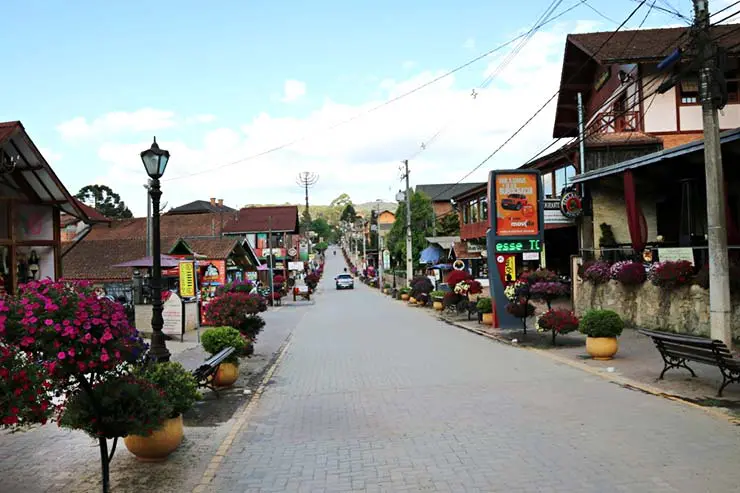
[[247, 94]]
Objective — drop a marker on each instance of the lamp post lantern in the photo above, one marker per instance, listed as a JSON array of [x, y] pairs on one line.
[[155, 162]]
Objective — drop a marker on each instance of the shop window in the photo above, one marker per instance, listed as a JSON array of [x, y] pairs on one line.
[[34, 222], [34, 263], [547, 186], [466, 213], [5, 279], [474, 211], [563, 177], [484, 208]]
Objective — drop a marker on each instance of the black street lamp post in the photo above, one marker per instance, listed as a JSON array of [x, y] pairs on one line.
[[155, 162]]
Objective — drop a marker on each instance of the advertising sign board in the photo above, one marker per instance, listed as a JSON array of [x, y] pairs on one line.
[[517, 204]]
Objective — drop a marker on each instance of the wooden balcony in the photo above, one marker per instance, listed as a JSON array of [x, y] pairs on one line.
[[617, 121]]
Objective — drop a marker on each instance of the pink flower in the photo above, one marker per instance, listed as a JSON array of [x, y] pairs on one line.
[[104, 357], [48, 322], [61, 355], [71, 352], [27, 341]]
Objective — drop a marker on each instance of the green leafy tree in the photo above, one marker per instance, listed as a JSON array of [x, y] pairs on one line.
[[348, 214], [422, 216], [104, 200], [448, 225], [321, 227]]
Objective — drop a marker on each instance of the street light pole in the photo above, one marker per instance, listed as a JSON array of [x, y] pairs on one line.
[[155, 161]]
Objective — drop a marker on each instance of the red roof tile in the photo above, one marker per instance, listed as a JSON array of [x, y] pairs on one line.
[[260, 219], [92, 260], [7, 129], [171, 226], [213, 248], [92, 213]]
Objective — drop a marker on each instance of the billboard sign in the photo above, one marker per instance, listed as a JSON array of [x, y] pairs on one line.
[[517, 204]]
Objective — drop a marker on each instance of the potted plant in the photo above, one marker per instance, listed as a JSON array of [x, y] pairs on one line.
[[485, 308], [404, 293], [214, 341], [602, 328], [557, 322], [180, 393], [437, 297], [387, 288]]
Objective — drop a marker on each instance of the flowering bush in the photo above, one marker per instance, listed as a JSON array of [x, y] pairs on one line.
[[278, 279], [475, 287], [312, 280], [69, 328], [520, 309], [450, 299], [235, 287], [462, 288], [421, 285], [231, 308], [24, 390], [456, 276], [628, 273], [597, 273], [520, 289], [670, 275], [548, 291], [539, 275], [178, 385], [126, 406], [557, 322]]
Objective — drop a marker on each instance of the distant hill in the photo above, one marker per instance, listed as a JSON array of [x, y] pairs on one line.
[[332, 214]]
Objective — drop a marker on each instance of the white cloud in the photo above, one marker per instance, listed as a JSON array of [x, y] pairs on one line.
[[360, 157], [469, 44], [293, 90], [145, 119]]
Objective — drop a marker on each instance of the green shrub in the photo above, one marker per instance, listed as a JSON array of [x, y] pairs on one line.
[[179, 386], [404, 290], [601, 323], [216, 339], [484, 305], [437, 295]]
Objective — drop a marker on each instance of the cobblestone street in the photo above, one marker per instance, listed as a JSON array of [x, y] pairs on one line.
[[376, 396]]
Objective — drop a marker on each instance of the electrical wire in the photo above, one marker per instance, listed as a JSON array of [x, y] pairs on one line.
[[541, 108], [372, 109]]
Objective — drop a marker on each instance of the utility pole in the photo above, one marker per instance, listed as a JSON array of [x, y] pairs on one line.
[[364, 244], [720, 309], [306, 180], [586, 238], [409, 253], [270, 258], [148, 220], [379, 244]]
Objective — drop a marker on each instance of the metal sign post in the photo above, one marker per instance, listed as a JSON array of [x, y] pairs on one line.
[[516, 226]]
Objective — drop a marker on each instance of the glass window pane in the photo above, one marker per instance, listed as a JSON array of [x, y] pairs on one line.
[[474, 211], [484, 208], [559, 180], [547, 185], [466, 212]]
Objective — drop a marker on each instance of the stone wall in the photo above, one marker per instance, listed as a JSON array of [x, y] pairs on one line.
[[684, 310]]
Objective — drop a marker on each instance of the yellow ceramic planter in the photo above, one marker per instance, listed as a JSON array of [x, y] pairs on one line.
[[487, 318], [404, 297], [226, 375], [412, 300], [602, 348], [160, 444], [438, 306]]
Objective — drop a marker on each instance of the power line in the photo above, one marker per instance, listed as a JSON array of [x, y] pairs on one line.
[[370, 110], [541, 108]]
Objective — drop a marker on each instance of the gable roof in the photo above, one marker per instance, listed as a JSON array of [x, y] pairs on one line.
[[200, 207], [444, 192], [283, 218], [33, 178], [93, 260], [171, 226]]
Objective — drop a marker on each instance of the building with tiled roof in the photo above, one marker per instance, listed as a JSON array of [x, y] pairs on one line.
[[202, 207]]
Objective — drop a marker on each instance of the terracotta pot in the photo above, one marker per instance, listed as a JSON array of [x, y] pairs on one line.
[[602, 348], [160, 444], [412, 300], [438, 306], [405, 297], [487, 318], [226, 375]]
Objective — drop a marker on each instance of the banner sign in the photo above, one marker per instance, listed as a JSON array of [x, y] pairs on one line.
[[517, 206], [187, 280]]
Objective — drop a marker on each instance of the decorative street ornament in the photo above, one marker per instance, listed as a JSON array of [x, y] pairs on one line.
[[571, 204], [458, 265]]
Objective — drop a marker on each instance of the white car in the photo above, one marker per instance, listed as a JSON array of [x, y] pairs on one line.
[[345, 281]]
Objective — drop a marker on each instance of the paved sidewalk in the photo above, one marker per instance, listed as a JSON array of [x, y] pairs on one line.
[[637, 360], [50, 459]]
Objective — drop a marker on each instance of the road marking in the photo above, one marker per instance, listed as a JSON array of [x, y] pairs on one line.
[[210, 473]]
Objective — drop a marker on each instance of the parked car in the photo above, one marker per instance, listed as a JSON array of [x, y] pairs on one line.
[[514, 202], [345, 281]]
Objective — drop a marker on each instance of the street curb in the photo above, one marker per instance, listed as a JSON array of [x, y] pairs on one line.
[[210, 473], [610, 377]]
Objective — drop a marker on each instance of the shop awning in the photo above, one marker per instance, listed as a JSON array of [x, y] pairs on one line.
[[446, 242], [166, 261], [430, 254], [726, 138]]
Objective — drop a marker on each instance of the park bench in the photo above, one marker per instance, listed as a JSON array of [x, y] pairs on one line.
[[204, 373], [677, 349]]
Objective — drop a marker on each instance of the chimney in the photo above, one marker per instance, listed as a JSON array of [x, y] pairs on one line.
[[220, 202], [213, 200]]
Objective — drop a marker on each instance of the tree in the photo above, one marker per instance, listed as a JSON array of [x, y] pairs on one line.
[[340, 202], [321, 227], [348, 214], [104, 200], [448, 225], [422, 215]]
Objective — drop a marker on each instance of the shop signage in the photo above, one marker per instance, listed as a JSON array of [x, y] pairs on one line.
[[187, 280], [295, 265], [292, 252], [517, 204], [531, 256], [510, 269], [571, 204], [518, 246], [603, 78], [676, 254], [386, 259], [252, 275], [458, 264]]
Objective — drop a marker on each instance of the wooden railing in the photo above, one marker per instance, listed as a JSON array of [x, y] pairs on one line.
[[617, 121], [473, 230]]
